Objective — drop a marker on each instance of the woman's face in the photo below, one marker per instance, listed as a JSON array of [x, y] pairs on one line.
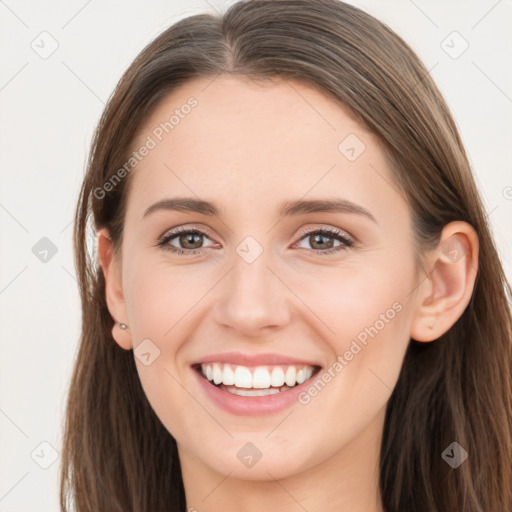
[[257, 295]]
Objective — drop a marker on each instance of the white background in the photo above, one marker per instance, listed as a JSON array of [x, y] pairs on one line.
[[48, 110]]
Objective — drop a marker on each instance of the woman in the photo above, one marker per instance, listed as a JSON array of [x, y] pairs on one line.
[[296, 302]]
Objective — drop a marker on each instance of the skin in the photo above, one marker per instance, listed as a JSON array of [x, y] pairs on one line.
[[247, 147]]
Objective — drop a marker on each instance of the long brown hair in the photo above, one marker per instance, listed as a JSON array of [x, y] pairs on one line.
[[117, 456]]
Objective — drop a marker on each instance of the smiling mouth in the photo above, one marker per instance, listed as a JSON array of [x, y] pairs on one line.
[[255, 380]]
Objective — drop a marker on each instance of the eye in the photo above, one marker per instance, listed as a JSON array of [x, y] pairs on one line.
[[189, 239], [318, 239]]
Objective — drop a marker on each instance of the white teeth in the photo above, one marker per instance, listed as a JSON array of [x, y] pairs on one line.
[[290, 377], [228, 375], [277, 377], [304, 374], [253, 392], [261, 378], [217, 374], [243, 377], [265, 378]]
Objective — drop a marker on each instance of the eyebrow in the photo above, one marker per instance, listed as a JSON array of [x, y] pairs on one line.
[[286, 209]]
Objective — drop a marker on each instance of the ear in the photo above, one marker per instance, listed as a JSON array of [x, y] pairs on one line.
[[446, 291], [113, 289]]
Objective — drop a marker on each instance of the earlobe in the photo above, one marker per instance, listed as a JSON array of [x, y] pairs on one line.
[[113, 289], [447, 289]]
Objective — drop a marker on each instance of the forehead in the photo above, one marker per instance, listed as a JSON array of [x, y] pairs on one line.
[[249, 110], [232, 137]]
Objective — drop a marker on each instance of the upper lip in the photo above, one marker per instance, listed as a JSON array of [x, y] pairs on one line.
[[254, 359]]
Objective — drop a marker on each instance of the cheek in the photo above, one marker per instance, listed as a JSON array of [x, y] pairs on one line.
[[163, 306], [365, 316], [360, 302], [160, 296]]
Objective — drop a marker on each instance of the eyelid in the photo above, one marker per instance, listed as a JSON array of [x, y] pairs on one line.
[[302, 231], [334, 232], [185, 228], [323, 227]]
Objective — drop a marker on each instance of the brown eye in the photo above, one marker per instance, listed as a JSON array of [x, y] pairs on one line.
[[188, 240], [319, 241], [322, 241]]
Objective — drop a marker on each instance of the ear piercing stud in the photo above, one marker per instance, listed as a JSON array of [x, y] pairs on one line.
[[123, 327]]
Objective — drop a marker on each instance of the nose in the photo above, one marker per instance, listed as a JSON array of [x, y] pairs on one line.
[[253, 298]]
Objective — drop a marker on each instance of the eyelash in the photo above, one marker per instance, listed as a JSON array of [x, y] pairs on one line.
[[329, 233]]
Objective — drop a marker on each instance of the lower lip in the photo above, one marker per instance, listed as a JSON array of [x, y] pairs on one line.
[[251, 405]]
